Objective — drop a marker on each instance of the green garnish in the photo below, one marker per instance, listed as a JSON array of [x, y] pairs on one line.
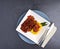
[[43, 24]]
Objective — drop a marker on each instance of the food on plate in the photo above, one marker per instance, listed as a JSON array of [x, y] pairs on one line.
[[28, 24], [36, 28], [31, 25]]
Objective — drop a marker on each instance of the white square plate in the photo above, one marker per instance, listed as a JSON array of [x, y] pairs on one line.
[[34, 38]]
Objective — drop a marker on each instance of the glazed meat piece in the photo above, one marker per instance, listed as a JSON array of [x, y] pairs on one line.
[[36, 28], [29, 24]]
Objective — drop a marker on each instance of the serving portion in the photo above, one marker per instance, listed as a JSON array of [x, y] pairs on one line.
[[30, 24]]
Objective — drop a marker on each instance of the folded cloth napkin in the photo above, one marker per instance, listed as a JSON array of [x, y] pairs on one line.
[[51, 32]]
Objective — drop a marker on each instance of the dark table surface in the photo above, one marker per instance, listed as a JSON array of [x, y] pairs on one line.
[[10, 11]]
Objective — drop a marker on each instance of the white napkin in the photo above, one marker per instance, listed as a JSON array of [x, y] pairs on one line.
[[49, 36]]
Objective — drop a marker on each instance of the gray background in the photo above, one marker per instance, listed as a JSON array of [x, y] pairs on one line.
[[10, 11]]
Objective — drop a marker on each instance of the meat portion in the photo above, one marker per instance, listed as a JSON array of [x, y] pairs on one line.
[[36, 28], [29, 24]]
